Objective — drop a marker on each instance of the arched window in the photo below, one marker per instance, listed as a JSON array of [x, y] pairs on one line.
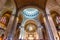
[[4, 22], [56, 19]]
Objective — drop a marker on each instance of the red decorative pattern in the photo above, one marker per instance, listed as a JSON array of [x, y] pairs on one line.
[[3, 20]]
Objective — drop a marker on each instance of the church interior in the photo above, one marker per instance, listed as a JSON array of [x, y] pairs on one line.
[[29, 19]]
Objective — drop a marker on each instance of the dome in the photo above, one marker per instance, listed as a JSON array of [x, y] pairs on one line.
[[30, 12]]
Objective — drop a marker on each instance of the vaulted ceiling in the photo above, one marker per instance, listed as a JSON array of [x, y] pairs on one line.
[[38, 3]]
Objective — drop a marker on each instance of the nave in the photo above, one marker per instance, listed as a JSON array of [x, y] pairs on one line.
[[29, 20]]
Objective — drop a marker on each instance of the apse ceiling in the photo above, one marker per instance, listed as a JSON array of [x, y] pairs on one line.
[[23, 3]]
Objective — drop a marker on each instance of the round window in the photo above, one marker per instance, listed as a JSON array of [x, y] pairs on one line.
[[30, 12]]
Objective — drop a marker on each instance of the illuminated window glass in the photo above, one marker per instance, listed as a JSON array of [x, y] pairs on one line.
[[30, 12]]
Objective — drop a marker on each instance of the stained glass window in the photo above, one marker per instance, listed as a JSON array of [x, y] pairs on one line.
[[30, 12]]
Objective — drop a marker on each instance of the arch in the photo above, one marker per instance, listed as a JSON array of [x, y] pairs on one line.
[[54, 14], [38, 3]]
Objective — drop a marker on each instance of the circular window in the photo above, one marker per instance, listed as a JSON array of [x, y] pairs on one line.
[[30, 12]]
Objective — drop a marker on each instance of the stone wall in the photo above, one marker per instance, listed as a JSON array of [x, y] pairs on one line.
[[2, 2]]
